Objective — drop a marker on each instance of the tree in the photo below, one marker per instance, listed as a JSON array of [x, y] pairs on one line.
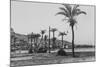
[[49, 39], [62, 34], [42, 32], [70, 13], [22, 44], [14, 39], [36, 39], [45, 39], [31, 36], [53, 30]]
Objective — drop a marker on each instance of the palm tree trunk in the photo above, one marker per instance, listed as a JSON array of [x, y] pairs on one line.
[[34, 41], [53, 34], [49, 39], [62, 41], [73, 41], [37, 42], [42, 36], [31, 42], [28, 40], [53, 39], [30, 49]]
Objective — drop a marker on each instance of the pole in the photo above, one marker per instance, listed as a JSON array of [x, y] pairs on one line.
[[62, 41], [49, 39]]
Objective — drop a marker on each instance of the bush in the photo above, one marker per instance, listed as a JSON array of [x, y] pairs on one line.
[[30, 51], [61, 52], [42, 50]]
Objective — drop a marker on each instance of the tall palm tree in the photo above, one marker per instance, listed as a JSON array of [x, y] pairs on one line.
[[53, 30], [62, 34], [70, 13]]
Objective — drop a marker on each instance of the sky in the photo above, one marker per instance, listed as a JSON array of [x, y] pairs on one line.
[[27, 17]]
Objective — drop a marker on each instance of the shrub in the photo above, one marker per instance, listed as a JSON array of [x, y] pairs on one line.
[[61, 52], [42, 50], [30, 50]]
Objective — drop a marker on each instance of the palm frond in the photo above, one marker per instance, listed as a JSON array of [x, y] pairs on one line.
[[75, 7], [74, 12], [43, 31], [53, 29], [65, 11], [62, 33], [72, 22], [68, 8], [81, 12], [61, 13]]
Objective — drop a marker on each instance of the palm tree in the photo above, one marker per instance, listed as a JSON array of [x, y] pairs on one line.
[[45, 40], [22, 43], [70, 13], [53, 30], [36, 39], [42, 32], [49, 39], [28, 38], [62, 35], [14, 39], [31, 36]]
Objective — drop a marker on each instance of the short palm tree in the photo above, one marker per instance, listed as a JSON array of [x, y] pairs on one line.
[[45, 37], [53, 30], [42, 32], [31, 36], [28, 38], [45, 40], [70, 13], [62, 34], [36, 39]]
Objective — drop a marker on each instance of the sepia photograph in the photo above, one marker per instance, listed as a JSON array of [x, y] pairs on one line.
[[43, 33]]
